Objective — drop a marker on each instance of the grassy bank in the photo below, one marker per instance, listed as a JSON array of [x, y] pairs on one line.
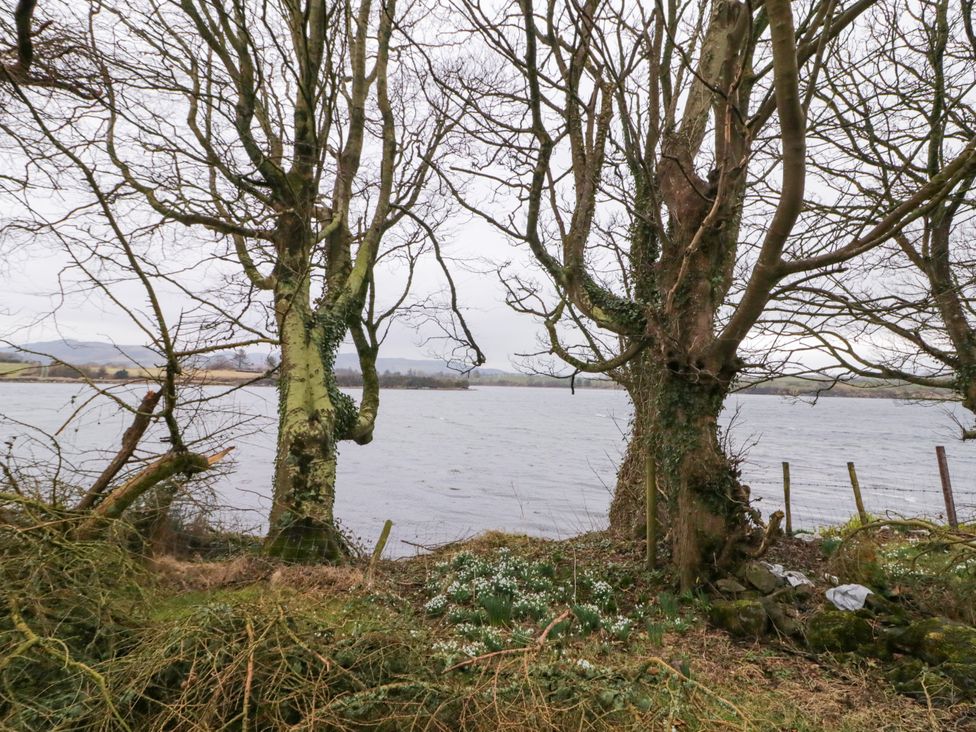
[[502, 632]]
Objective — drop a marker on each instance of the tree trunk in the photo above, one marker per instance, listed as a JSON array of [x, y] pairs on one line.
[[967, 382], [627, 513], [707, 504], [312, 413]]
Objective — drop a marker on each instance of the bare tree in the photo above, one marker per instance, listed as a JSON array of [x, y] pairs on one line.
[[895, 108], [628, 135], [240, 359], [102, 252], [298, 135]]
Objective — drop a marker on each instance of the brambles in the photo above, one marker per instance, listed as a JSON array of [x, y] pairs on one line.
[[932, 568], [68, 611]]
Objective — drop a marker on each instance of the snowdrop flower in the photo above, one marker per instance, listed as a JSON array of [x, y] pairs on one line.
[[436, 604]]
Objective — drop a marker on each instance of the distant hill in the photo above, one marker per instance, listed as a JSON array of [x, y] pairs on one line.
[[861, 388], [100, 353], [85, 352], [350, 362]]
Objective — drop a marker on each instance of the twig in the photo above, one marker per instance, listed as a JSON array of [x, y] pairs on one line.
[[248, 678], [534, 648], [435, 547], [928, 704], [664, 664]]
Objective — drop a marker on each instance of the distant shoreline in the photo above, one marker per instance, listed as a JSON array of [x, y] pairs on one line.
[[791, 389], [204, 382]]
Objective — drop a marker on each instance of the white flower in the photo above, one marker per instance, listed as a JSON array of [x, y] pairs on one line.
[[619, 626], [436, 604]]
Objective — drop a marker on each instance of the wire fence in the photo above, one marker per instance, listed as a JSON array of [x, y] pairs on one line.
[[816, 502]]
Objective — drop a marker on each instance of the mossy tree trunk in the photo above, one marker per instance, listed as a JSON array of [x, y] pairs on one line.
[[627, 511], [705, 508], [708, 506], [314, 415], [302, 520]]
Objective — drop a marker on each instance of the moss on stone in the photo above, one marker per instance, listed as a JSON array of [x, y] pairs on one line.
[[838, 631], [914, 678], [942, 643], [742, 618]]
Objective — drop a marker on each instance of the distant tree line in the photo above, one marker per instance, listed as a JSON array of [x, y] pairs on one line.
[[69, 371], [409, 380]]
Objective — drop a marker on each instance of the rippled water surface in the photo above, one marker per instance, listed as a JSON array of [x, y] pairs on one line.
[[448, 464]]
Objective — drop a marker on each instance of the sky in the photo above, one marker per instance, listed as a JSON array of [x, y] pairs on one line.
[[29, 286], [33, 309], [29, 283]]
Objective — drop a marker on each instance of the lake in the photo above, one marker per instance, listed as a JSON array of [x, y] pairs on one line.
[[448, 464]]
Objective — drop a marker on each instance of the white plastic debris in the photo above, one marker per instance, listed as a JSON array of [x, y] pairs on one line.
[[848, 597], [794, 578]]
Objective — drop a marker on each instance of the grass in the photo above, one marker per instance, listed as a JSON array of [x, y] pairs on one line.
[[531, 634], [15, 369], [33, 372]]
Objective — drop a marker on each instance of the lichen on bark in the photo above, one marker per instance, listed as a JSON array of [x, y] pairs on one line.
[[314, 416]]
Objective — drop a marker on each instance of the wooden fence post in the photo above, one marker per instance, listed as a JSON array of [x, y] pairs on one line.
[[862, 514], [786, 497], [950, 502], [378, 552]]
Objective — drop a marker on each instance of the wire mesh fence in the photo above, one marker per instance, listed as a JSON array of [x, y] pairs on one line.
[[825, 496]]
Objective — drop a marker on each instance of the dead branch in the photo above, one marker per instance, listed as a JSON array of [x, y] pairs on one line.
[[130, 441], [170, 464]]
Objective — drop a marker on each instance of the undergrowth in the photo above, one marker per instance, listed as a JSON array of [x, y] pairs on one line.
[[930, 567], [500, 601], [526, 637]]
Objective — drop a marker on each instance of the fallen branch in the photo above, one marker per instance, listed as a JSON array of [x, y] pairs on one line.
[[130, 441], [921, 524], [170, 464], [773, 531]]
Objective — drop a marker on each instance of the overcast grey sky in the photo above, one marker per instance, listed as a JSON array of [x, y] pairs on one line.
[[29, 294]]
